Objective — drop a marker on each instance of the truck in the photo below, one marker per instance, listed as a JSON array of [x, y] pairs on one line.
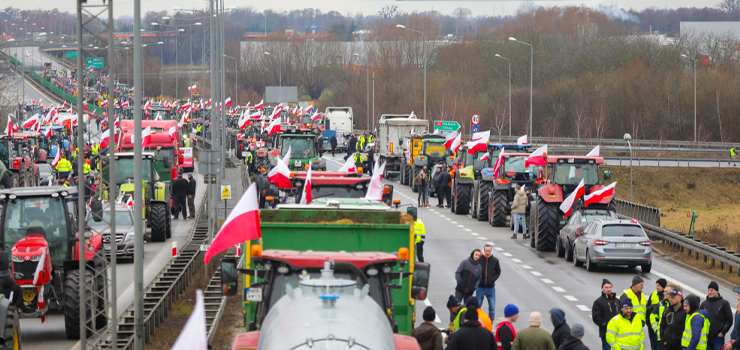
[[392, 131], [421, 150], [339, 118]]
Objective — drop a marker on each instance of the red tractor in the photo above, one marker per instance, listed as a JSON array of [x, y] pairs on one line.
[[20, 166], [564, 175], [40, 223]]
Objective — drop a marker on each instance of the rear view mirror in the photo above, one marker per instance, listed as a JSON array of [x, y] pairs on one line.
[[420, 281], [607, 174], [229, 276], [736, 290]]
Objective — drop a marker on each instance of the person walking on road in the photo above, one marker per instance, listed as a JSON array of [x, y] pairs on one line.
[[720, 317], [427, 334], [573, 342], [333, 143], [419, 233], [534, 337], [672, 322], [696, 330], [491, 272], [468, 276], [624, 331], [562, 329], [634, 293], [652, 301], [191, 195], [604, 309], [518, 211], [505, 332], [180, 190], [422, 184], [471, 335]]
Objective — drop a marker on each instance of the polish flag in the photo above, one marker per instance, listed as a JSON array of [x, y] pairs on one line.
[[349, 166], [567, 204], [243, 120], [295, 110], [499, 163], [286, 160], [172, 130], [375, 189], [42, 303], [146, 136], [105, 138], [130, 201], [306, 195], [47, 132], [259, 106], [117, 121], [227, 102], [273, 127], [181, 124], [256, 115], [242, 225], [300, 111], [599, 195], [276, 112], [31, 122], [39, 268], [315, 117], [158, 117], [147, 105], [193, 335], [124, 103], [280, 175], [594, 152], [57, 158], [412, 115], [450, 138], [104, 103], [10, 128], [484, 156], [308, 110], [455, 146], [480, 142], [522, 141], [537, 158]]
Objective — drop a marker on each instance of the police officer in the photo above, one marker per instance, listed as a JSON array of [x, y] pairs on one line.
[[624, 331], [64, 167], [419, 233]]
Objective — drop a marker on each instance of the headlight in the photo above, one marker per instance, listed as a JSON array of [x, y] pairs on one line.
[[129, 237], [36, 258], [17, 259]]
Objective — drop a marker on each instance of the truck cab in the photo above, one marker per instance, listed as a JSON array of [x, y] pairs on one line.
[[339, 118]]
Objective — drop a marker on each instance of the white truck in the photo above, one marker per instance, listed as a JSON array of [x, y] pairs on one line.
[[340, 119], [392, 131]]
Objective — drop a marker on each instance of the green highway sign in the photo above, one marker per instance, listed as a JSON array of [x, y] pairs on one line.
[[71, 54], [445, 127], [94, 62]]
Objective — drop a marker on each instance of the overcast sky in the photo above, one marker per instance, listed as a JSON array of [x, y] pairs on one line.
[[125, 7]]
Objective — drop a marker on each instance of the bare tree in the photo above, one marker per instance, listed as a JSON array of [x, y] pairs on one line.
[[730, 6]]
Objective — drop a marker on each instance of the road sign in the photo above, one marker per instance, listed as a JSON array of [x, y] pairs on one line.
[[445, 127], [226, 192], [71, 54], [94, 62], [475, 128], [475, 119], [313, 27]]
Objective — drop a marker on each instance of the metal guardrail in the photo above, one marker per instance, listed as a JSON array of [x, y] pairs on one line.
[[642, 213], [677, 162], [650, 144]]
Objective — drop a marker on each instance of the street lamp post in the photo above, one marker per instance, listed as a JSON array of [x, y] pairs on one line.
[[509, 61], [628, 137], [531, 71], [694, 62], [424, 61], [161, 67], [280, 69], [236, 77]]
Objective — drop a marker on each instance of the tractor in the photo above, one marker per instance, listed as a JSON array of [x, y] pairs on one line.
[[43, 219], [303, 144], [17, 172], [484, 184], [463, 181], [565, 173], [421, 150], [500, 188], [156, 176]]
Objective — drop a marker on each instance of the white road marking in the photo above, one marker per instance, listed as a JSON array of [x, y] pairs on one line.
[[570, 298], [467, 229], [516, 260], [473, 233], [548, 281], [447, 218], [427, 302], [482, 238], [499, 249], [558, 289], [536, 273], [460, 225], [454, 222], [583, 307], [506, 254], [491, 243], [526, 267]]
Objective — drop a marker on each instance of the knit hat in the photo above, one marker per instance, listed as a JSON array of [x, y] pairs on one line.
[[452, 302], [605, 281], [471, 315], [510, 310], [429, 314], [626, 301], [636, 280], [713, 285], [472, 304], [535, 319], [662, 282], [577, 330]]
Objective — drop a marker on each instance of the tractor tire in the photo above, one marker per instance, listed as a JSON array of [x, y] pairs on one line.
[[158, 221], [462, 199], [72, 303], [484, 192], [548, 226], [8, 181], [559, 249], [500, 204], [16, 181], [408, 175], [402, 180], [569, 252], [12, 331]]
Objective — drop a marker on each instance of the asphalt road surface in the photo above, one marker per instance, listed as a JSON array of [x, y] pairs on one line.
[[531, 280]]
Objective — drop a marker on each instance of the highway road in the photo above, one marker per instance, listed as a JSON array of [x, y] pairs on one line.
[[531, 280]]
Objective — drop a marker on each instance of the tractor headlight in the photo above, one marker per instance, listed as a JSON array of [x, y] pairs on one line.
[[36, 258], [129, 237], [17, 259]]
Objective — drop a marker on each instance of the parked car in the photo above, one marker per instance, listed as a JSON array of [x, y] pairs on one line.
[[45, 174], [573, 229], [613, 242], [124, 230]]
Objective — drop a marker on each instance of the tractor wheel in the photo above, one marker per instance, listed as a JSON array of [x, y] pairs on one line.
[[484, 193], [559, 249], [168, 229], [158, 221], [569, 252], [500, 204], [473, 204], [72, 302], [16, 181], [408, 175], [8, 181], [548, 226], [12, 331], [462, 199]]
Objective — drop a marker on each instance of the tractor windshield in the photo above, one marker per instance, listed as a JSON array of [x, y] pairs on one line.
[[434, 149], [337, 191], [300, 148], [125, 170], [514, 165], [4, 153], [45, 215], [474, 159], [572, 173], [165, 152]]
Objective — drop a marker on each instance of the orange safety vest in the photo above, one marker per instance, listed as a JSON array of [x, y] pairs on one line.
[[452, 175], [485, 320]]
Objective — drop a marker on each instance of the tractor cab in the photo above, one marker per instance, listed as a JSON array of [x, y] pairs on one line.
[[303, 145], [568, 171]]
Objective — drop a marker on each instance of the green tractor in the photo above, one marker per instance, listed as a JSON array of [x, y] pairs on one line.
[[156, 174], [303, 145]]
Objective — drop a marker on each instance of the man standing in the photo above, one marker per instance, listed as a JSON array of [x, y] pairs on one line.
[[634, 293], [574, 340], [180, 190], [624, 331], [655, 313], [654, 300], [534, 337], [333, 143], [696, 331], [427, 334], [447, 183], [436, 184], [604, 309], [472, 336], [672, 322], [262, 186], [720, 317], [419, 233], [371, 161], [491, 273], [468, 276], [518, 211], [421, 181], [454, 306], [505, 332], [562, 329], [191, 195]]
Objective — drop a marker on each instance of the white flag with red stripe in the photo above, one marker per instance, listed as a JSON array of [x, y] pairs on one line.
[[599, 195], [42, 304], [456, 143], [522, 141], [412, 115], [484, 156], [130, 201], [172, 130], [193, 336], [259, 106], [537, 158], [349, 166], [567, 204], [31, 122], [315, 117], [280, 174], [499, 163], [227, 102], [480, 141], [57, 158], [40, 268], [594, 152], [47, 132], [286, 160], [450, 138], [273, 127], [306, 195], [146, 136], [242, 224], [375, 189]]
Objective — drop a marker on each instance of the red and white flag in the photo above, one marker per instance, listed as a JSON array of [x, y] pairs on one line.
[[57, 158], [130, 201], [286, 160], [181, 124], [104, 103], [146, 136], [522, 141], [242, 225], [147, 105], [40, 268], [594, 152], [567, 204], [259, 106], [174, 249], [243, 120], [412, 115], [255, 115], [450, 138], [375, 189], [227, 102], [537, 158], [193, 336], [456, 143], [280, 175], [273, 127], [499, 163], [158, 117], [484, 156], [47, 132], [117, 121], [172, 130], [42, 303], [308, 110], [306, 195], [105, 137], [599, 195], [315, 117], [349, 166], [480, 141], [31, 122], [10, 128], [124, 103]]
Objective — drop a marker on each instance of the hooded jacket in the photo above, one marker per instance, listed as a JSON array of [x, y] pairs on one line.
[[697, 323], [468, 275], [428, 336], [471, 336], [562, 330], [603, 310], [491, 271], [519, 205], [672, 323], [572, 343], [719, 312]]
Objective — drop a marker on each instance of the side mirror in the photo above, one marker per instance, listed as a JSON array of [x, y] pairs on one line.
[[579, 232], [736, 290], [96, 209], [420, 281], [229, 276], [607, 174]]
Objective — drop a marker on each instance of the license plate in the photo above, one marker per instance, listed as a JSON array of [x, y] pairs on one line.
[[625, 245], [290, 200], [297, 163], [281, 193], [254, 294]]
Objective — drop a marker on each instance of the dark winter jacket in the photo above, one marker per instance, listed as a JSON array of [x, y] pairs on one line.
[[491, 271], [436, 178], [562, 330], [735, 333], [444, 179], [472, 336], [333, 141], [671, 333], [468, 275], [720, 315], [603, 310], [192, 185], [572, 343], [530, 199], [180, 187], [428, 336]]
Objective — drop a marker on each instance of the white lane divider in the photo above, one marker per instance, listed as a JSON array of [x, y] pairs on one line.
[[536, 273], [526, 267], [473, 233], [499, 249], [583, 307], [436, 318], [459, 225], [468, 230], [506, 254], [570, 298], [548, 281], [454, 222], [516, 260], [482, 238], [558, 289], [491, 243]]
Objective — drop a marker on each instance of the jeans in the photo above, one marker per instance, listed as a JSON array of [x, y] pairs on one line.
[[423, 195], [716, 343], [448, 194], [463, 297], [654, 339], [605, 345], [490, 293], [420, 251], [180, 206], [519, 218], [441, 195]]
